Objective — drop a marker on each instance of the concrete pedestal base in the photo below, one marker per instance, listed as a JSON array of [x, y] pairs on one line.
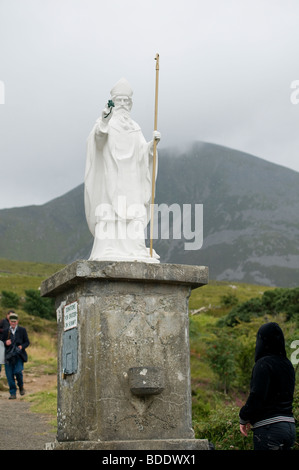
[[123, 355], [153, 444]]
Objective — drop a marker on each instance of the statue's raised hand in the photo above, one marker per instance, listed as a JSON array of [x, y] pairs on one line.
[[107, 111]]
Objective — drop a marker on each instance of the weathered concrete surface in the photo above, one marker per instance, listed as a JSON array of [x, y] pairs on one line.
[[130, 316], [146, 380], [153, 444], [192, 276]]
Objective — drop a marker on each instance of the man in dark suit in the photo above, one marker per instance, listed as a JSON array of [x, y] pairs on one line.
[[16, 341]]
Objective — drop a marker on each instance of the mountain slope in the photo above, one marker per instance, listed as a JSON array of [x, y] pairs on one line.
[[53, 232], [250, 213], [250, 218]]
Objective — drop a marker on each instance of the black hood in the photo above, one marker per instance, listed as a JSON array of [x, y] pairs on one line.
[[269, 341]]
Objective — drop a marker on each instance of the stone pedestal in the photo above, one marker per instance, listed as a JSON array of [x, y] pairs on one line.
[[123, 355]]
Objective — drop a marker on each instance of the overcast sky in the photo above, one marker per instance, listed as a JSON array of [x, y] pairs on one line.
[[226, 70]]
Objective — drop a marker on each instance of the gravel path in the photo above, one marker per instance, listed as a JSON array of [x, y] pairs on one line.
[[21, 429]]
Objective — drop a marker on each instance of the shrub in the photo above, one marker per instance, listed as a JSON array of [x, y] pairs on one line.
[[220, 354], [282, 301], [223, 430], [228, 300], [38, 306], [243, 312], [273, 302], [244, 358], [9, 299]]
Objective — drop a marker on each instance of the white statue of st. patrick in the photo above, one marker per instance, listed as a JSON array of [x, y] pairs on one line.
[[118, 182]]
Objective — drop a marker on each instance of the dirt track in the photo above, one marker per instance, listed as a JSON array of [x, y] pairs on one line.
[[20, 428]]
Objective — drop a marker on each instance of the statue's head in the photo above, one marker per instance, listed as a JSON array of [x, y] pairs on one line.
[[121, 95]]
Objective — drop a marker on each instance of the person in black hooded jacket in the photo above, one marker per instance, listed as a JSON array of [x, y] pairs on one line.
[[269, 407]]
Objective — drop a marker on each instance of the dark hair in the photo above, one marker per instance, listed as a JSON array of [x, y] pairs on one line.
[[270, 341]]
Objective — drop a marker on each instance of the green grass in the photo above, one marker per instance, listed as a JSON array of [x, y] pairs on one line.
[[210, 296], [28, 268], [42, 353], [45, 403], [18, 276]]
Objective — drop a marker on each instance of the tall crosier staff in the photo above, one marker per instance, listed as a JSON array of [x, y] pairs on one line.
[[154, 156]]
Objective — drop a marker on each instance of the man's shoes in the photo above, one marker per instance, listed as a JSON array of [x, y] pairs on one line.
[[22, 391], [12, 397]]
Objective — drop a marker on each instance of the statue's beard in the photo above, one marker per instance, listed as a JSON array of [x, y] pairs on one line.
[[122, 115], [122, 111]]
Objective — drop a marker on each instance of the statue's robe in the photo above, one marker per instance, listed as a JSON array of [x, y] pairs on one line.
[[118, 186]]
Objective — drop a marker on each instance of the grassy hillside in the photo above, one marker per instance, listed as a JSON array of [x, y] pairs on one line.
[[221, 357], [18, 276]]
